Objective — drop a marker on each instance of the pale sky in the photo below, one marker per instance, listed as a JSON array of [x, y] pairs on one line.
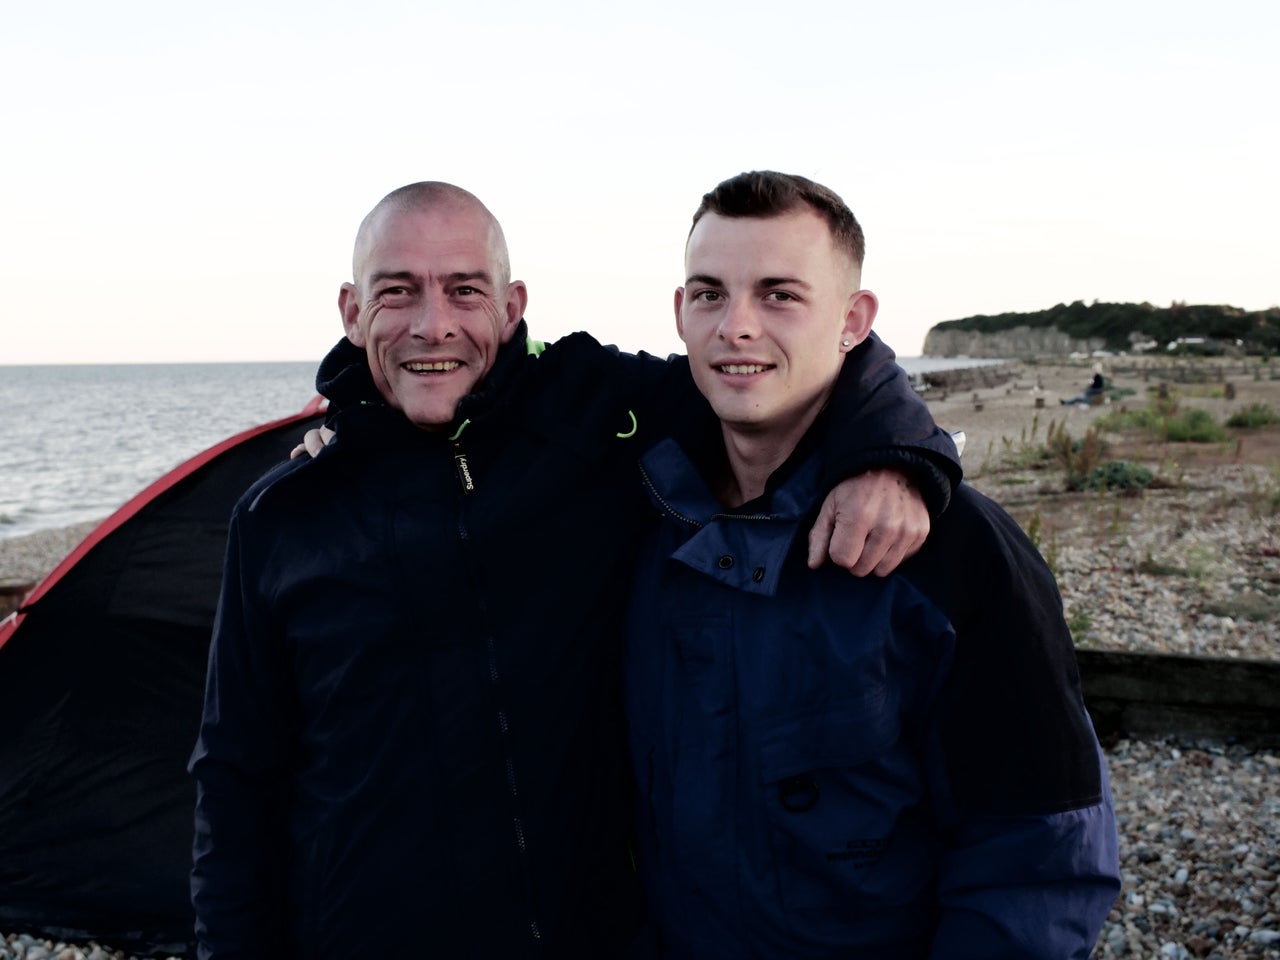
[[182, 182]]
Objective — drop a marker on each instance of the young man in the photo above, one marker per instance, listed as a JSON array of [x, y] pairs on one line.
[[829, 767], [411, 742]]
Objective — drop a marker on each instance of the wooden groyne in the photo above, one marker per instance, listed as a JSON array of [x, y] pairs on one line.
[[936, 383], [1153, 695]]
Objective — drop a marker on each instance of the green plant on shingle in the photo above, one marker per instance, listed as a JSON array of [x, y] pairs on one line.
[[1079, 622], [1118, 475], [1253, 416], [1195, 425], [1264, 495], [1034, 525], [1200, 560], [1077, 458]]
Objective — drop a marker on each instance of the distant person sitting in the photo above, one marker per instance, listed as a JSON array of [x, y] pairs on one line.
[[1092, 393]]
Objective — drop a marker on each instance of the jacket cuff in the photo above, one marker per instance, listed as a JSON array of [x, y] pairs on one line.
[[933, 482]]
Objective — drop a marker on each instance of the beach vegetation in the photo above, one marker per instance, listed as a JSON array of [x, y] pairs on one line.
[[1194, 425], [1253, 416], [1264, 494], [1197, 564], [1076, 458], [1119, 475], [1079, 622], [1165, 419]]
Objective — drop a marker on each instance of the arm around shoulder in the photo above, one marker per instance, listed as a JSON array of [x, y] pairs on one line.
[[876, 419]]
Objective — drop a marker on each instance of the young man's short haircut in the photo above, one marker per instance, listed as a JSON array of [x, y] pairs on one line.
[[767, 193]]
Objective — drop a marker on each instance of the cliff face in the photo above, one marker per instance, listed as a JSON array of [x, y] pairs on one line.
[[1016, 343]]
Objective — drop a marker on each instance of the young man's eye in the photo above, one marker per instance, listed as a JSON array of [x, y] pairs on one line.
[[779, 295], [707, 296]]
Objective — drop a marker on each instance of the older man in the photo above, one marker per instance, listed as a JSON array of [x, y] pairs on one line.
[[411, 740], [828, 767]]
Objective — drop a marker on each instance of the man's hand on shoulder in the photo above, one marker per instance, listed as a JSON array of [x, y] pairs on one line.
[[870, 523], [313, 441]]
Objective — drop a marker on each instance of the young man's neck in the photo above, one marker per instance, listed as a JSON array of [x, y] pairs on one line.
[[752, 457]]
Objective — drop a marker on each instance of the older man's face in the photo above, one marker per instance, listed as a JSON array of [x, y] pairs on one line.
[[430, 307]]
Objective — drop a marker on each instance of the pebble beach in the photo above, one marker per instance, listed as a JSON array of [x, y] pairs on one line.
[[1189, 566]]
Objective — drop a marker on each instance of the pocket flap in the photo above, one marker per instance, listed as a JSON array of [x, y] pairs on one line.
[[840, 735]]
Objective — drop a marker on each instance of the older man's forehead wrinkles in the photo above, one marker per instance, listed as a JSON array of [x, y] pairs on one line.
[[457, 276], [402, 275]]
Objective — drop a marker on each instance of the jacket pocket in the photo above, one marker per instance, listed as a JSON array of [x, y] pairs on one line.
[[842, 795]]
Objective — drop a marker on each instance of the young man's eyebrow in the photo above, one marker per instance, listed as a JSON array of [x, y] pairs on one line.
[[705, 278], [768, 283]]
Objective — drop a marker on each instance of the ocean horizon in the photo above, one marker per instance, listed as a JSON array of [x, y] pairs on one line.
[[80, 440]]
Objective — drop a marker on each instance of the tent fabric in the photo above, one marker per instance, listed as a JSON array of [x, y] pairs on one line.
[[101, 685]]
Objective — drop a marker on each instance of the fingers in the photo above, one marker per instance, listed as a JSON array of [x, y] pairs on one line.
[[856, 545], [820, 535], [869, 524], [315, 440], [297, 451]]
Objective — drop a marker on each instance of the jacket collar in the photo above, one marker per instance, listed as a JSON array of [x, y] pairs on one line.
[[344, 378], [745, 548]]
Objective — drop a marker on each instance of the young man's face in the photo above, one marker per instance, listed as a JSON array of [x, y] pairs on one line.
[[765, 307], [430, 307]]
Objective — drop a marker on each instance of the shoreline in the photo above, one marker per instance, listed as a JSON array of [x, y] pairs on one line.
[[1182, 567]]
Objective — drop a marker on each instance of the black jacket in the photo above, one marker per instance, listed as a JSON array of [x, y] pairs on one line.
[[412, 734]]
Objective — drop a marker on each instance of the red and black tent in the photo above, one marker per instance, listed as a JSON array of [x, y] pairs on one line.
[[101, 682]]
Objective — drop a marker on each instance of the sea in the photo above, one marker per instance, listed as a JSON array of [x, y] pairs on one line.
[[78, 441]]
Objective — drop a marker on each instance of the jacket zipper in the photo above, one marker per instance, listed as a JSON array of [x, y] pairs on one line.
[[463, 468], [467, 482], [672, 511]]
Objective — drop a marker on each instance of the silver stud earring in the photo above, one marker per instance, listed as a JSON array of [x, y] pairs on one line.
[[844, 343]]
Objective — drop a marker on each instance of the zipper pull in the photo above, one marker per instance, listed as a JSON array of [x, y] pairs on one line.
[[464, 469]]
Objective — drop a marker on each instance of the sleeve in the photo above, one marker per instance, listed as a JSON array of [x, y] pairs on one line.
[[875, 419], [238, 878], [1030, 887], [1029, 866]]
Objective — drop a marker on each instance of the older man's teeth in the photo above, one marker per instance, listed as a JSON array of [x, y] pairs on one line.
[[743, 368], [440, 366]]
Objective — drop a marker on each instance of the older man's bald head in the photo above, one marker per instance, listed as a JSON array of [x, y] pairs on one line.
[[424, 195]]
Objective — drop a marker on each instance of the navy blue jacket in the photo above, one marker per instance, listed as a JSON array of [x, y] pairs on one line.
[[887, 768], [411, 742]]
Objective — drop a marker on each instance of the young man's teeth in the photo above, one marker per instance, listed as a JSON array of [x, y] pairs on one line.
[[743, 368], [440, 366]]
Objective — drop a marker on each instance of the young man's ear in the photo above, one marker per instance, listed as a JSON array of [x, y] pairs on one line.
[[679, 319], [859, 314], [349, 307], [517, 300]]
